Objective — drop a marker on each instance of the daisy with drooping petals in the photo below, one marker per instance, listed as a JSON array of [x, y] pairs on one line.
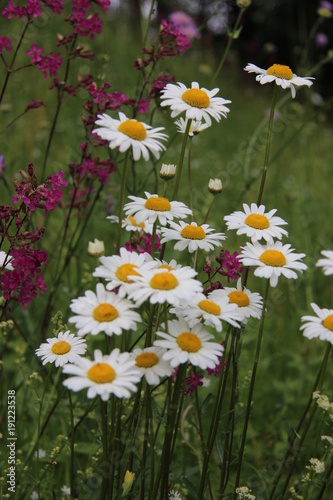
[[257, 224], [272, 260], [281, 75], [63, 349], [164, 285], [184, 344], [326, 264], [195, 128], [212, 311], [126, 133], [320, 326], [192, 236], [118, 270], [109, 374], [150, 364], [130, 224], [103, 311], [249, 304], [197, 103], [156, 208]]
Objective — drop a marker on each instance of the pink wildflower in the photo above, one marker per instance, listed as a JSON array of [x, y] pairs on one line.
[[5, 44], [185, 24]]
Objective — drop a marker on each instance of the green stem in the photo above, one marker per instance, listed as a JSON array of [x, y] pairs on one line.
[[153, 238], [122, 199], [148, 23], [189, 172], [326, 479], [209, 209], [105, 478], [71, 415], [250, 396], [181, 159]]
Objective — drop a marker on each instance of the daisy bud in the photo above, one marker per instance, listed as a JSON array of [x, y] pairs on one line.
[[96, 248], [168, 171], [242, 4], [215, 186]]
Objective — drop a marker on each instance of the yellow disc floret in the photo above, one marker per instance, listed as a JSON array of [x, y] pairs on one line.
[[146, 360], [189, 342], [105, 312], [101, 373], [273, 258], [164, 281], [210, 307], [61, 347], [280, 71], [196, 98], [126, 270], [328, 322], [238, 297], [134, 223], [193, 232], [133, 129], [158, 204], [257, 221]]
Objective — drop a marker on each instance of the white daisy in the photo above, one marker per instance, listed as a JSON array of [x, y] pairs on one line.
[[109, 374], [184, 344], [126, 133], [272, 260], [192, 236], [156, 208], [118, 270], [198, 103], [103, 311], [257, 224], [150, 364], [281, 75], [4, 258], [249, 304], [130, 224], [63, 349], [196, 126], [326, 264], [212, 311], [164, 285], [320, 326]]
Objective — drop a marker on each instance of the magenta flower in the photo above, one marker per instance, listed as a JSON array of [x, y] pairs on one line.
[[35, 54], [185, 24], [5, 44]]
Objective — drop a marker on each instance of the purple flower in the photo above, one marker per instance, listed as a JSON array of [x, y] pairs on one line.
[[321, 40], [35, 54], [231, 267], [326, 5], [143, 105], [5, 44], [185, 24]]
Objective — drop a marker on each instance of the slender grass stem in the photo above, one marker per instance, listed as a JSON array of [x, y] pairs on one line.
[[181, 159], [189, 173], [71, 471], [122, 199]]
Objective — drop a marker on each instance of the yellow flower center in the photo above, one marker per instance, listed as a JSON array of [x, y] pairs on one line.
[[101, 373], [157, 203], [126, 270], [257, 221], [193, 232], [61, 347], [146, 360], [196, 98], [166, 266], [328, 322], [189, 342], [210, 307], [134, 223], [239, 298], [280, 71], [164, 281], [133, 129], [105, 312], [273, 258]]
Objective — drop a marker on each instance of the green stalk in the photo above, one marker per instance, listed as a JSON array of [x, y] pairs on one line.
[[105, 478], [122, 199], [148, 23], [71, 414], [153, 238], [181, 159], [250, 396], [189, 173]]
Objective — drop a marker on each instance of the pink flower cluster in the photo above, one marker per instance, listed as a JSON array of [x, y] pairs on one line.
[[84, 22], [142, 243], [174, 42], [218, 367], [25, 280], [229, 266], [32, 9], [5, 44], [48, 64], [192, 381], [94, 167]]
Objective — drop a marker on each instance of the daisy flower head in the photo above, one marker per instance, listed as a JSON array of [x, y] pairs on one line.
[[126, 133], [185, 343], [192, 236], [320, 326], [154, 208], [257, 224], [165, 285], [103, 311], [119, 270], [151, 365], [272, 260], [197, 103], [130, 224], [211, 310], [196, 126], [281, 75], [327, 263], [106, 374], [249, 304], [63, 349]]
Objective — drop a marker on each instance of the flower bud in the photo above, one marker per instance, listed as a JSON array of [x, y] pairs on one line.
[[96, 248], [168, 171], [242, 4], [215, 186]]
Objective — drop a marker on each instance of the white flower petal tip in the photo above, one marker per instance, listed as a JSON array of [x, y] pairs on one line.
[[63, 349], [320, 326]]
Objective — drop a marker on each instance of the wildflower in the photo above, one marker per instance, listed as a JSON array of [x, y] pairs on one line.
[[48, 63], [106, 374], [142, 244], [196, 126], [185, 24], [326, 264], [168, 171], [281, 75], [249, 304], [126, 133], [172, 41], [244, 492], [103, 311], [211, 309], [192, 236], [40, 453], [184, 344], [320, 326], [156, 208], [96, 248], [321, 40], [243, 4], [150, 364], [197, 103], [316, 465], [5, 261], [215, 186], [130, 224], [119, 270], [5, 44], [230, 265], [128, 481], [63, 349], [174, 495], [272, 260], [256, 224]]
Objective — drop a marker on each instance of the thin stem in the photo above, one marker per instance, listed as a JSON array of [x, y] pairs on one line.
[[189, 173], [104, 416], [148, 23], [250, 396], [181, 159], [209, 209], [71, 415], [326, 479], [122, 199]]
